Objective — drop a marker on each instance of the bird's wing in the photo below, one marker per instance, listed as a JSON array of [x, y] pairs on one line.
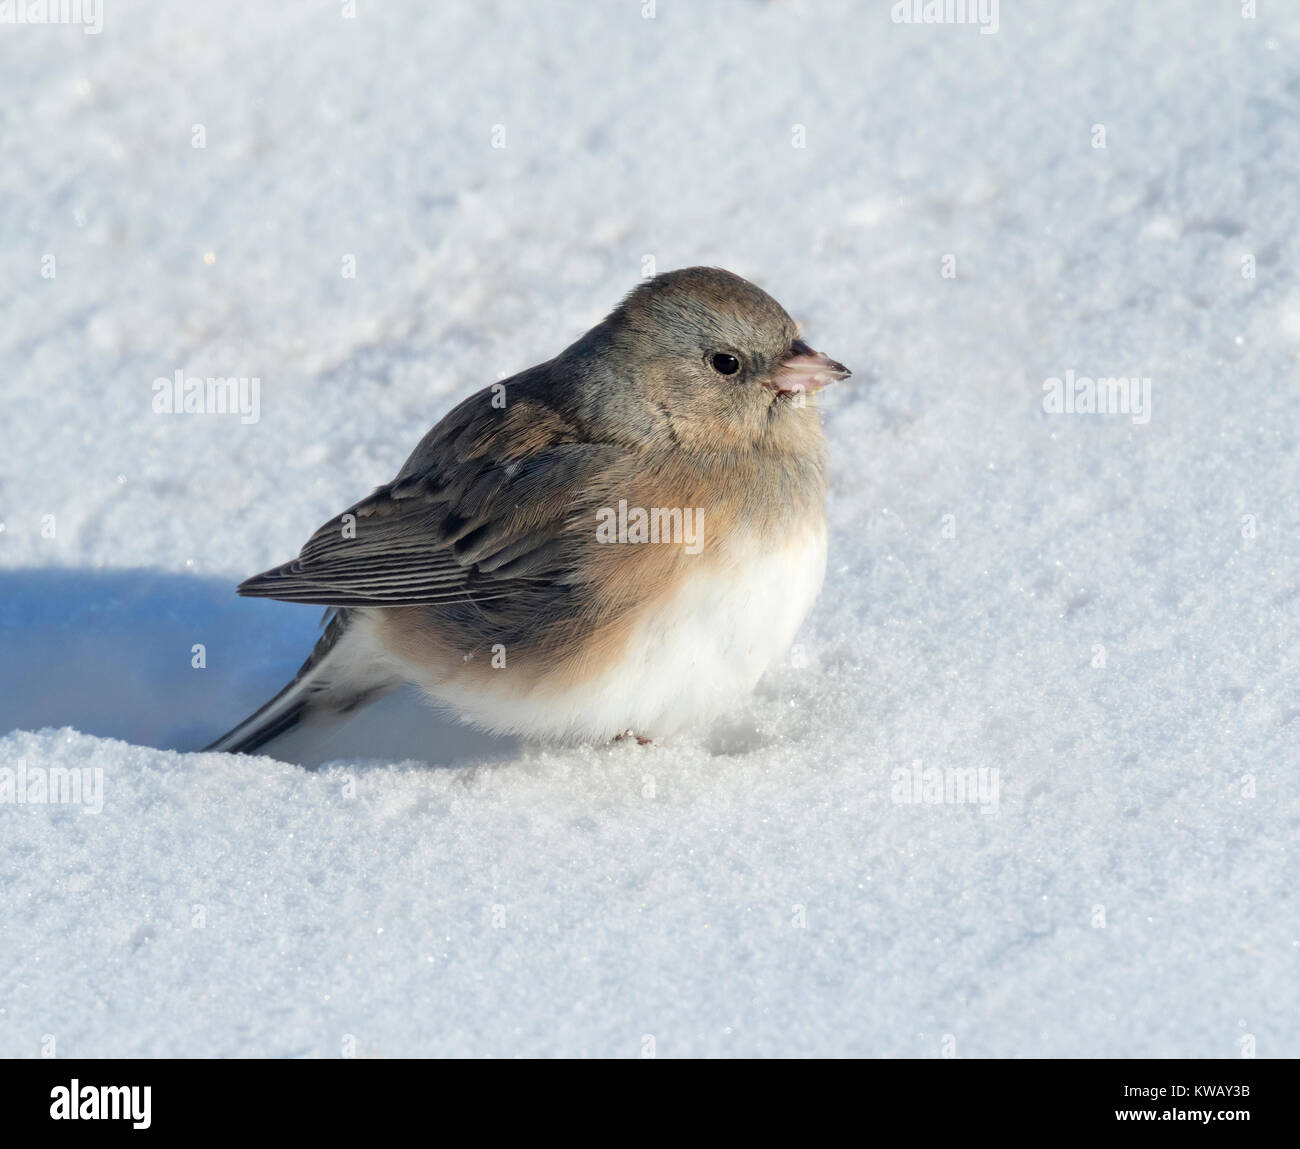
[[487, 504]]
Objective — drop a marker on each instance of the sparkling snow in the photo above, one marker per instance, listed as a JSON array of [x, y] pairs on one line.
[[1101, 615]]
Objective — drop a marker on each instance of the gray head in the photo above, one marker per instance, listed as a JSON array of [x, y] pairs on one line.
[[706, 350]]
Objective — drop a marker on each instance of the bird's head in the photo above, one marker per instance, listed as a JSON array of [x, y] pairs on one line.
[[711, 355]]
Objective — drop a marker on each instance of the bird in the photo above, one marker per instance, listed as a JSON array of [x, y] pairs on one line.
[[616, 542]]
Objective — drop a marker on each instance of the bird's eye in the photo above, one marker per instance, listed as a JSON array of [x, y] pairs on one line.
[[725, 364]]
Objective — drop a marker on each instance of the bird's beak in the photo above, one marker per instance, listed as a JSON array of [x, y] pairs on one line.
[[806, 370]]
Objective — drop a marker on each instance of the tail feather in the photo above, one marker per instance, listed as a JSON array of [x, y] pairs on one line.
[[318, 685], [279, 716]]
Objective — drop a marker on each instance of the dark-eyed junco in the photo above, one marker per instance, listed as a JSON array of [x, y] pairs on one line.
[[619, 540]]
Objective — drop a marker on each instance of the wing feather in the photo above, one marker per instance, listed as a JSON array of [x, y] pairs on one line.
[[452, 529]]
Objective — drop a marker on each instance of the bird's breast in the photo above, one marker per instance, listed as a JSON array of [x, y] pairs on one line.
[[677, 661]]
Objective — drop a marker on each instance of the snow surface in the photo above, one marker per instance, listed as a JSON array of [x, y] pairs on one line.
[[758, 890]]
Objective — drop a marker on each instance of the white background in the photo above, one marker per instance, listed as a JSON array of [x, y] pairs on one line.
[[656, 890]]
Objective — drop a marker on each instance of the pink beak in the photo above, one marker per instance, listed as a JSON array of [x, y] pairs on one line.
[[806, 370]]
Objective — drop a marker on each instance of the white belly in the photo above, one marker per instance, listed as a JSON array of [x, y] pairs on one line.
[[685, 663]]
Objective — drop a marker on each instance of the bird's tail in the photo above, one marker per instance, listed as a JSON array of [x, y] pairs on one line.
[[332, 682]]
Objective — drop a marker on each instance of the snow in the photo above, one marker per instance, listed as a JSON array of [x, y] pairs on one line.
[[1105, 612]]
